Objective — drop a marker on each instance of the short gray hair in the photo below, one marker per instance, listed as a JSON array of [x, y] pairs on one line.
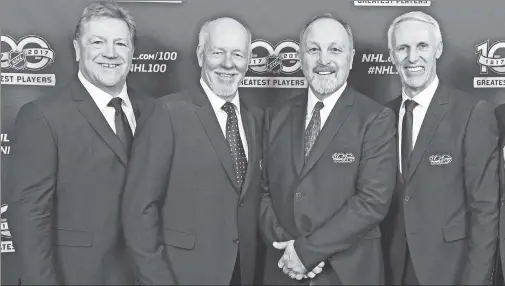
[[203, 35], [328, 16], [415, 16], [109, 9]]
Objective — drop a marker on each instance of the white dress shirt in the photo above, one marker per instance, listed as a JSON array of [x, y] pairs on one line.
[[217, 102], [329, 102], [102, 98], [423, 100]]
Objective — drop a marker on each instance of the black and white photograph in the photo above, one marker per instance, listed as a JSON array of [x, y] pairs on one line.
[[240, 142]]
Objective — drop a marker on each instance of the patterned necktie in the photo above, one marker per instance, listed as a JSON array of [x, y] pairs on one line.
[[235, 143], [123, 130], [407, 124], [313, 128]]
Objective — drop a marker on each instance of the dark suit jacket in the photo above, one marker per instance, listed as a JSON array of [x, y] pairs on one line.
[[331, 205], [66, 173], [451, 213], [185, 218], [500, 117]]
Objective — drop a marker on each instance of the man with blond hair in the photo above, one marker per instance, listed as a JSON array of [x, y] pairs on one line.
[[192, 194], [442, 224], [68, 169]]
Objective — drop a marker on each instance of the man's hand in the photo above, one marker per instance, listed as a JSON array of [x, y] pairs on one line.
[[318, 269], [291, 264]]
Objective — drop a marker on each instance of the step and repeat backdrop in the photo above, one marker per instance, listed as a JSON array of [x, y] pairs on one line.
[[37, 55]]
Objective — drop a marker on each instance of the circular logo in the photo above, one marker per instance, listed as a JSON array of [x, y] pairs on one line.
[[281, 59], [30, 53]]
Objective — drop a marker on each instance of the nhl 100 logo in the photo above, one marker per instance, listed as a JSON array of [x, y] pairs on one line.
[[488, 59], [283, 58], [29, 53], [274, 66]]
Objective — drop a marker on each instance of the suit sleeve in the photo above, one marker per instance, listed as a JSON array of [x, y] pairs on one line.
[[146, 184], [368, 206], [499, 267], [31, 179], [270, 228], [481, 157]]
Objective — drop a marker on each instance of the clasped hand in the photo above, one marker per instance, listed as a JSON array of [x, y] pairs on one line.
[[291, 264]]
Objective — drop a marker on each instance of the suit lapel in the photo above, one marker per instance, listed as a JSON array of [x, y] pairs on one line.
[[250, 134], [395, 105], [90, 111], [209, 122], [337, 117], [141, 108], [436, 112], [297, 130]]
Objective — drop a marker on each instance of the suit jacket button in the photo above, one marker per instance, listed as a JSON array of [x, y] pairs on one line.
[[407, 198], [503, 203], [236, 240], [240, 203], [298, 195]]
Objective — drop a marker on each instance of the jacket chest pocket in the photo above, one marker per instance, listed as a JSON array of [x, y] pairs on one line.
[[178, 239], [456, 231], [76, 238]]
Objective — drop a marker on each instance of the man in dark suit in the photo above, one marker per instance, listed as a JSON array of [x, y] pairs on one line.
[[329, 170], [500, 270], [192, 195], [442, 224], [69, 157]]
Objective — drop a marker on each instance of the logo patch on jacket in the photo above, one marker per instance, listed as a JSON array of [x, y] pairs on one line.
[[440, 159], [343, 158]]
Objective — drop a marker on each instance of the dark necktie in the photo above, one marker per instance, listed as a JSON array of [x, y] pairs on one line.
[[407, 123], [312, 130], [123, 130], [235, 143]]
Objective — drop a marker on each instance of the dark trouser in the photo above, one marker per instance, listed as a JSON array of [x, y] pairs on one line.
[[499, 280], [235, 277], [409, 275]]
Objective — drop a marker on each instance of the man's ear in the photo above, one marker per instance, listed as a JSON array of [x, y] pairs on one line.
[[353, 52], [77, 49], [199, 55], [440, 49]]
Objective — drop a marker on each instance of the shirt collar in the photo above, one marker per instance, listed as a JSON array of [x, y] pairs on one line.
[[329, 102], [100, 97], [424, 97], [216, 101]]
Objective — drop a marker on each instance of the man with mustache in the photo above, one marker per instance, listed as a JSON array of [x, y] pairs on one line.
[[329, 170], [192, 195], [67, 169], [443, 221]]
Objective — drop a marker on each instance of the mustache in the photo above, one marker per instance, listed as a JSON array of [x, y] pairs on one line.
[[324, 68], [232, 71]]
